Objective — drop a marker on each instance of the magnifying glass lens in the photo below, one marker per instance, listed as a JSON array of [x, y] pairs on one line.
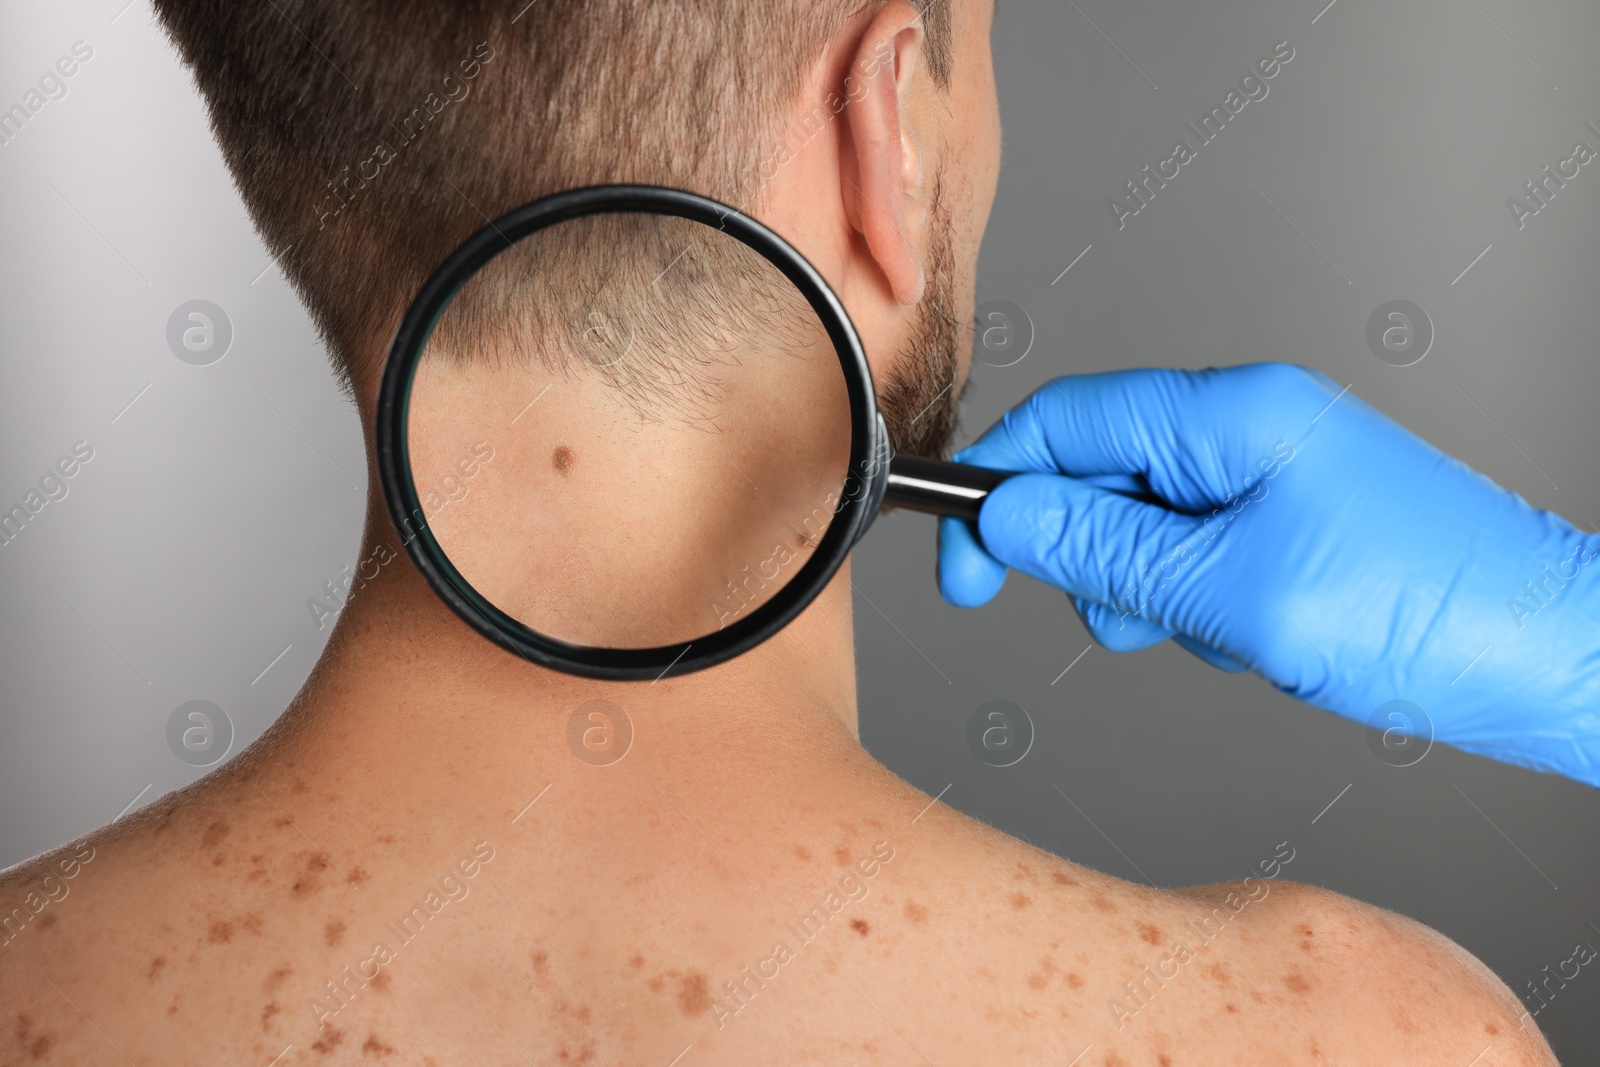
[[628, 431]]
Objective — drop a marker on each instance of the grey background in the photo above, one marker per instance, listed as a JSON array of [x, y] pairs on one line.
[[179, 565]]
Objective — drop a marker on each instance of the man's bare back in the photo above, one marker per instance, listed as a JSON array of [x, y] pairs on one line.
[[402, 884]]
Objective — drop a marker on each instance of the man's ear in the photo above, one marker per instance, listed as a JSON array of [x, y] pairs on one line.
[[883, 190]]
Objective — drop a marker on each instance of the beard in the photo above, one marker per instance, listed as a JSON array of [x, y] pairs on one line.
[[919, 400]]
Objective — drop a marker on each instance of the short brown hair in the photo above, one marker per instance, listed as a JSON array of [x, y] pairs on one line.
[[369, 138]]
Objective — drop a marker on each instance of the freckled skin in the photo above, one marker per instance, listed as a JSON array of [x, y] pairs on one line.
[[1020, 900], [916, 913], [1296, 982], [214, 834], [1150, 933], [860, 926], [693, 996]]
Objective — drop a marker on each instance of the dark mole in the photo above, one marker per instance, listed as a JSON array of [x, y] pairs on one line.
[[156, 965], [1296, 982], [329, 1042], [374, 1046], [916, 913], [214, 834], [1149, 933], [333, 933], [221, 932], [801, 852], [1020, 900], [563, 459], [694, 996], [860, 926]]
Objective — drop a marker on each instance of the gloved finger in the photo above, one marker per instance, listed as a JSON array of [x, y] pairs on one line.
[[968, 575], [1116, 631], [1087, 541], [1196, 438], [1200, 650]]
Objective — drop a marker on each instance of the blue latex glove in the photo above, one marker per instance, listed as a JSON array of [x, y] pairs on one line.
[[1266, 520]]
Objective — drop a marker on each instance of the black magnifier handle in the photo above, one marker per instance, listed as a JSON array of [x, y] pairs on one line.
[[940, 487]]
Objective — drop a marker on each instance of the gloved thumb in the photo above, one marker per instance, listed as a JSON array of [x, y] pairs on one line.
[[1093, 543]]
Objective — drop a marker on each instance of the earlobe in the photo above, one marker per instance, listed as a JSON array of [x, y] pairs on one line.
[[883, 194]]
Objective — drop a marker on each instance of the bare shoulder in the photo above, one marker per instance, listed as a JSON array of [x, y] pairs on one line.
[[1372, 985]]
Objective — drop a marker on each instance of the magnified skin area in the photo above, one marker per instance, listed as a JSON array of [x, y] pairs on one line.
[[712, 500]]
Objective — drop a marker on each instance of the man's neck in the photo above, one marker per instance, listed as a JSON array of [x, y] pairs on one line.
[[407, 695]]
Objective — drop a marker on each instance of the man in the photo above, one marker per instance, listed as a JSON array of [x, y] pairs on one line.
[[413, 867]]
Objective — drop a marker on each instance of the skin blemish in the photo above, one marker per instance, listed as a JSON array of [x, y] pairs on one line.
[[1062, 879], [1150, 933], [156, 965], [694, 996], [1233, 1009], [1038, 981], [276, 978], [214, 834], [636, 962], [48, 921], [860, 926], [541, 963], [386, 839], [357, 876], [333, 933], [1296, 982], [266, 1015], [221, 932], [563, 459], [329, 1041], [1164, 1060], [1103, 903], [252, 924], [379, 982], [841, 855], [310, 880], [1491, 1029], [801, 852], [916, 913], [1074, 981], [1020, 900], [374, 1046]]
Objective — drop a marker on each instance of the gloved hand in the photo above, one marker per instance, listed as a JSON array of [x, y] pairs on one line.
[[1267, 520]]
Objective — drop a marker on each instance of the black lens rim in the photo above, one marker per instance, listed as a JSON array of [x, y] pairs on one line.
[[855, 512]]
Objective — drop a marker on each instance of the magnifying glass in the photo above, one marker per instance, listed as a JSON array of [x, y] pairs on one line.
[[626, 431]]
